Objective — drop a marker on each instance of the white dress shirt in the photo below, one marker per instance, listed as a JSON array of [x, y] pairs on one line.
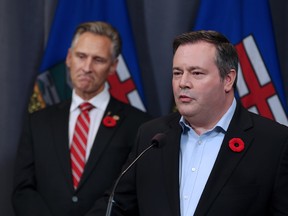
[[100, 103]]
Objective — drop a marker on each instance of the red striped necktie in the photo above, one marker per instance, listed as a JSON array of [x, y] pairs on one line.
[[79, 143]]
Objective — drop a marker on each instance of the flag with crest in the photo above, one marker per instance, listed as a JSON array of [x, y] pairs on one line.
[[53, 83], [248, 25]]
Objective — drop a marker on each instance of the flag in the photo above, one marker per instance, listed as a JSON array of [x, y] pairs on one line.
[[53, 82], [248, 25]]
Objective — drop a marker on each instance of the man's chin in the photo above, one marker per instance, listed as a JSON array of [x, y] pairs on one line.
[[185, 109]]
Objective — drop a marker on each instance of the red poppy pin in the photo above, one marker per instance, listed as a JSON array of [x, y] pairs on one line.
[[110, 121], [236, 144]]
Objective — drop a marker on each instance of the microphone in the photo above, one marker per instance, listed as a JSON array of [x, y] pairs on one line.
[[156, 143]]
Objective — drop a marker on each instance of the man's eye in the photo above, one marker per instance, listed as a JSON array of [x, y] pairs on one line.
[[81, 56], [176, 73], [99, 60]]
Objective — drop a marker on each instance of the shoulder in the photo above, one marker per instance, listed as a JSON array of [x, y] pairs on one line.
[[163, 122], [126, 108], [264, 124], [260, 126], [128, 115], [61, 108]]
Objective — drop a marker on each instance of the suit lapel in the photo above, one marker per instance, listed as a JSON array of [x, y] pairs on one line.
[[227, 160], [61, 140], [103, 138], [170, 156]]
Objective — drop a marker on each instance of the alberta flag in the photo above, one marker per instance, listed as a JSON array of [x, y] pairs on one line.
[[248, 25], [53, 83]]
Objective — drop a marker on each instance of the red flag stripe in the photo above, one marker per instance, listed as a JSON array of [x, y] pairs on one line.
[[258, 94]]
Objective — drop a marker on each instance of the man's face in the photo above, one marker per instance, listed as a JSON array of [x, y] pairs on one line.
[[90, 62], [200, 93]]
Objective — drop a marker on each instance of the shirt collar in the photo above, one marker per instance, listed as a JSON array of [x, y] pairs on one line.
[[100, 100], [222, 124]]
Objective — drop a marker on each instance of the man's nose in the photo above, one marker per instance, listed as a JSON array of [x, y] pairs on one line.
[[87, 65], [185, 81]]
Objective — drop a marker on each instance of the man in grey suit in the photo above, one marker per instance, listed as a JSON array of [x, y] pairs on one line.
[[45, 183], [217, 158]]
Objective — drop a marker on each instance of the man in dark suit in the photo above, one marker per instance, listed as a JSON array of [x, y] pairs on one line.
[[61, 170], [217, 158]]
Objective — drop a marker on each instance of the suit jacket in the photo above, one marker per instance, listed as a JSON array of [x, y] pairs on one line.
[[251, 182], [43, 180]]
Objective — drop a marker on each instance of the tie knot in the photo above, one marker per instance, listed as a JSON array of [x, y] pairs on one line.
[[86, 106]]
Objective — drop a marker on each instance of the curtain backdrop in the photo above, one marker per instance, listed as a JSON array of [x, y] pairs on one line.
[[24, 26]]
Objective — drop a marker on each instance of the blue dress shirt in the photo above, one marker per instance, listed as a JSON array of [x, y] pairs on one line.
[[197, 157]]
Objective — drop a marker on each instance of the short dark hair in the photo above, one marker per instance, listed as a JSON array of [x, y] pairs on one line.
[[226, 55]]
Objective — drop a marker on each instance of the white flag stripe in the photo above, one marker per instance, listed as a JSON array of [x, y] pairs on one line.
[[256, 60], [241, 84], [122, 69], [277, 110], [263, 77], [124, 74], [254, 110], [135, 100]]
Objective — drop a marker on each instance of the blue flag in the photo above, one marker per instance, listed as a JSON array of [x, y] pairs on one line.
[[248, 25], [54, 80]]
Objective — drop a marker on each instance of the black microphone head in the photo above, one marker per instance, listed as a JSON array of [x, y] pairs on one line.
[[158, 140]]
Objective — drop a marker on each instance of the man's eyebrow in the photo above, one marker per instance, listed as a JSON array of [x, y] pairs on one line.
[[189, 68], [176, 68]]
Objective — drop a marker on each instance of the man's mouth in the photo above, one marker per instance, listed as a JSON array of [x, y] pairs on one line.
[[185, 98]]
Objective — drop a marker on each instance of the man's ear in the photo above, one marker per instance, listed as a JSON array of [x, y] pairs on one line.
[[229, 80], [68, 58]]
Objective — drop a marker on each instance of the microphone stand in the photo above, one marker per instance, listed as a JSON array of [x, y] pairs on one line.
[[111, 198]]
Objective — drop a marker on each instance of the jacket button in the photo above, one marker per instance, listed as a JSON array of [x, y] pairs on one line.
[[74, 199]]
